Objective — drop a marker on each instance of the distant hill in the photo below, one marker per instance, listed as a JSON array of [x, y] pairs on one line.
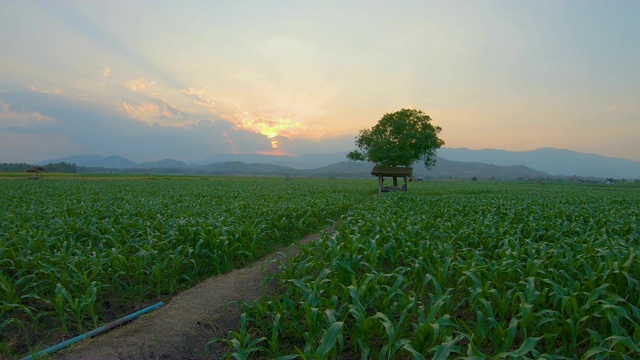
[[452, 163], [556, 162], [79, 160], [444, 170], [163, 164], [553, 161], [343, 169], [448, 169], [113, 161], [241, 168], [305, 161]]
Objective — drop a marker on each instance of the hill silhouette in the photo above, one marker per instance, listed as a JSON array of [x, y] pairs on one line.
[[453, 163]]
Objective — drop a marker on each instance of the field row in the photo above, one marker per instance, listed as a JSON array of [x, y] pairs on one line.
[[75, 254], [462, 271]]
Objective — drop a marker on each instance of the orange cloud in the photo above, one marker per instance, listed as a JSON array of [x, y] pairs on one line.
[[130, 110], [157, 112], [10, 118], [138, 84], [272, 128], [234, 146], [54, 91], [274, 152], [200, 98]]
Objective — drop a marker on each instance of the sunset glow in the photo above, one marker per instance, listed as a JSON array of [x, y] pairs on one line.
[[272, 128], [194, 79]]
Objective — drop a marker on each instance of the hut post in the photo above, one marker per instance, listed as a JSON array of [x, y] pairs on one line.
[[37, 170], [393, 172]]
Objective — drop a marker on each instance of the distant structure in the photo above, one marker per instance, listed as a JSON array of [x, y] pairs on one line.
[[393, 172], [35, 172]]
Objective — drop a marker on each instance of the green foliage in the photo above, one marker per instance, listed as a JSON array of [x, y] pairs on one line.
[[467, 270], [14, 167], [61, 167], [73, 251], [399, 139]]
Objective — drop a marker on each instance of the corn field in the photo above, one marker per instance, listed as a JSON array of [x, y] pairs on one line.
[[75, 254], [470, 271]]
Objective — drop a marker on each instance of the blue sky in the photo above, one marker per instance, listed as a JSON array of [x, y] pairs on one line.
[[188, 79]]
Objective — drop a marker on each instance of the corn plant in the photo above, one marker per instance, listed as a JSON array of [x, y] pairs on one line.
[[472, 271], [71, 251]]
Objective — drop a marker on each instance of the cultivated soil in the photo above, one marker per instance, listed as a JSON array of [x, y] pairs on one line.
[[184, 325]]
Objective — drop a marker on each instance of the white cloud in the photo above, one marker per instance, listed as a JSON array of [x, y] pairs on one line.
[[107, 71]]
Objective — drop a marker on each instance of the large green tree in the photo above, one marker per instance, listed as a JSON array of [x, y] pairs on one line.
[[399, 139]]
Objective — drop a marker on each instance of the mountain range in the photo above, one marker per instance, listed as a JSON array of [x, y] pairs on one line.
[[113, 162], [452, 163], [558, 162]]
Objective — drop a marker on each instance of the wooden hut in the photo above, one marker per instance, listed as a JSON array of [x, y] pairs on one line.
[[392, 172], [35, 171]]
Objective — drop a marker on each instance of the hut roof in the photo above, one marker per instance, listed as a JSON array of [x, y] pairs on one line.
[[391, 171], [35, 169]]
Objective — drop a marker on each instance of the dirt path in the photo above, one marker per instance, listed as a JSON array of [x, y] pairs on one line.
[[181, 328]]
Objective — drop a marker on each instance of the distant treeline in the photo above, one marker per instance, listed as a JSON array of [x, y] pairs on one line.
[[61, 167]]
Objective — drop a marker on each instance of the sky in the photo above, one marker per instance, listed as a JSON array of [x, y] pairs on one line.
[[150, 80]]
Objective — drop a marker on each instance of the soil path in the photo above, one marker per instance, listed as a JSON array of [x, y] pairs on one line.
[[181, 328]]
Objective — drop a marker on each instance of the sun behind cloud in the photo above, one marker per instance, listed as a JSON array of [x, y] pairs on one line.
[[272, 128]]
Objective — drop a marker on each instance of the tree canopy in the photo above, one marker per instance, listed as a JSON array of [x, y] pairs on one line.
[[61, 167], [399, 139]]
